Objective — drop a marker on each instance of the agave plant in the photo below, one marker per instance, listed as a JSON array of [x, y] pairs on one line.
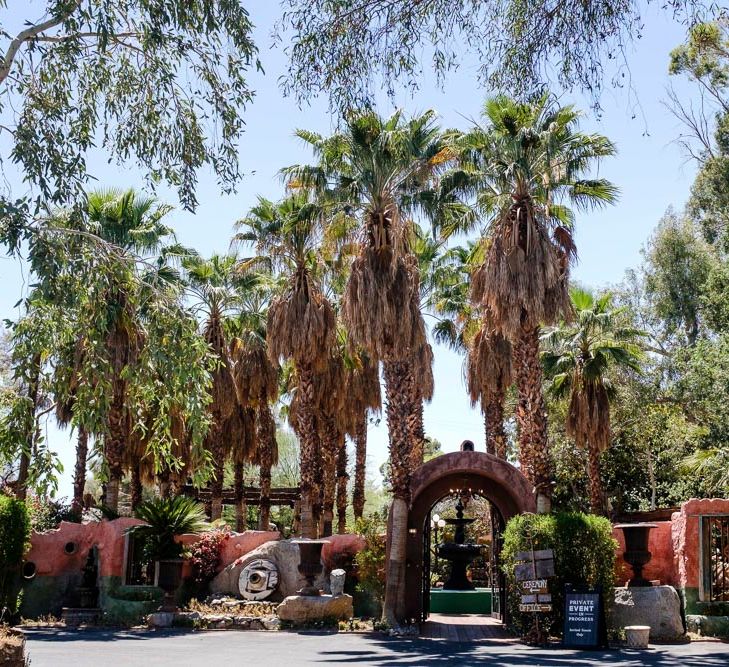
[[164, 518]]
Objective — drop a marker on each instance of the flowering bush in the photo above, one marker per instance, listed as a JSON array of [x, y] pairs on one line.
[[205, 554]]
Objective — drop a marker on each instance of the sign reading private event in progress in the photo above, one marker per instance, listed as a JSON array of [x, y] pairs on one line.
[[582, 618]]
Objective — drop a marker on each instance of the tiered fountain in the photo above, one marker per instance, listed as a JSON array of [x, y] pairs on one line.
[[459, 553]]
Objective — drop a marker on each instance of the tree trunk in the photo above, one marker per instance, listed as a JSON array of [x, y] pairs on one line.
[[397, 410], [329, 449], [597, 496], [415, 423], [135, 488], [309, 452], [266, 443], [342, 479], [21, 487], [216, 485], [532, 416], [79, 472], [241, 511], [360, 467], [494, 425], [114, 445]]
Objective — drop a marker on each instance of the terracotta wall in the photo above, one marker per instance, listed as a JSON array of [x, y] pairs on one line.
[[660, 567], [674, 545]]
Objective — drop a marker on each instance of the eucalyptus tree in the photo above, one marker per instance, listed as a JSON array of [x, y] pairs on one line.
[[372, 171], [301, 321], [524, 166], [580, 360], [162, 85]]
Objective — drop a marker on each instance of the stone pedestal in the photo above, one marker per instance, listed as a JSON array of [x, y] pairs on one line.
[[656, 606], [302, 609]]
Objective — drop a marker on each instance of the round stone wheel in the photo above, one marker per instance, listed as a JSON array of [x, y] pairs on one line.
[[258, 579]]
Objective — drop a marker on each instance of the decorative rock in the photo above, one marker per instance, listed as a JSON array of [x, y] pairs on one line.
[[301, 609], [708, 626], [271, 622], [336, 582], [656, 606], [161, 619], [284, 554], [636, 636]]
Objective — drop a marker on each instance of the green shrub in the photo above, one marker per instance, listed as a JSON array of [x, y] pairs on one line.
[[584, 555], [14, 537], [370, 561]]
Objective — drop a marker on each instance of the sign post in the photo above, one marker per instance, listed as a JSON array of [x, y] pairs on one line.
[[532, 570], [584, 618]]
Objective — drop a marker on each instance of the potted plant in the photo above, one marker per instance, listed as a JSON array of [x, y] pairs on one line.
[[164, 519]]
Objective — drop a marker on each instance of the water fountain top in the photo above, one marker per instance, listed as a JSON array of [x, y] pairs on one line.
[[458, 552]]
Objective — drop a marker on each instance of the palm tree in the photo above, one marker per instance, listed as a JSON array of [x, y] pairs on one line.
[[301, 321], [579, 358], [215, 285], [133, 225], [373, 171], [524, 166]]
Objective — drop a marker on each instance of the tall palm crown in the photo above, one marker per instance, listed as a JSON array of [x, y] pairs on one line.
[[301, 322], [579, 359], [527, 167]]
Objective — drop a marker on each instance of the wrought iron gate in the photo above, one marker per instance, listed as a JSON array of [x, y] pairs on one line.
[[426, 571], [715, 558]]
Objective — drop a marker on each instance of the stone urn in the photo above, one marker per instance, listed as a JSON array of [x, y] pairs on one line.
[[169, 579], [310, 563], [636, 552]]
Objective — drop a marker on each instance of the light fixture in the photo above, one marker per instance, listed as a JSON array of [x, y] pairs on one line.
[[441, 523], [436, 518]]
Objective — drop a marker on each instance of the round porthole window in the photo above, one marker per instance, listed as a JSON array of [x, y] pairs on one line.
[[29, 569], [70, 548]]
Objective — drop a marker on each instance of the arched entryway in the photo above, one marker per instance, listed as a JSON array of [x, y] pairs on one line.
[[499, 482]]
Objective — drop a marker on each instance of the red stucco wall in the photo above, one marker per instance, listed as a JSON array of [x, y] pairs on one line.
[[661, 565]]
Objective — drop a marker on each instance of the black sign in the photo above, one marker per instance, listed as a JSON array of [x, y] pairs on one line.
[[584, 625]]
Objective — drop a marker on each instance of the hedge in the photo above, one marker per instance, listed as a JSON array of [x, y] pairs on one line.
[[584, 555], [14, 538]]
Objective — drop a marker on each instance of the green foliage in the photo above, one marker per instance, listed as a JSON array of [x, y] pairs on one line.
[[164, 519], [67, 84], [14, 539], [584, 555], [46, 513], [351, 50], [370, 561]]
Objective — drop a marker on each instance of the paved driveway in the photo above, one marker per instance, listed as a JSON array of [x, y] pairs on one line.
[[94, 648]]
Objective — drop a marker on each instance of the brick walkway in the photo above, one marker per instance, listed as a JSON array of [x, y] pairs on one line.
[[464, 628]]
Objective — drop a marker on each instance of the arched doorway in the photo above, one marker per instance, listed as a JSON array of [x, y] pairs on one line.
[[508, 491]]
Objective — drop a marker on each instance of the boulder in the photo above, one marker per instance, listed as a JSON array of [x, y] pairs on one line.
[[161, 619], [302, 609], [656, 606], [284, 554], [336, 582]]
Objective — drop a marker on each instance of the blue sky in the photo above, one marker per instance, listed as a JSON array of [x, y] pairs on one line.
[[650, 171]]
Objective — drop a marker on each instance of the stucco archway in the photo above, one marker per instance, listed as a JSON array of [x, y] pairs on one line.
[[493, 478]]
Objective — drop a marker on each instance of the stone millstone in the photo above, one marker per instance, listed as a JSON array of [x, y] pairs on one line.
[[284, 554], [656, 606], [301, 609]]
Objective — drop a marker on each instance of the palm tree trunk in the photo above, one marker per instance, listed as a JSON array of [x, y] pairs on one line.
[[342, 479], [494, 425], [79, 472], [241, 511], [330, 446], [415, 423], [114, 445], [266, 443], [21, 487], [532, 417], [597, 496], [360, 467], [135, 490], [397, 409], [309, 452], [164, 484]]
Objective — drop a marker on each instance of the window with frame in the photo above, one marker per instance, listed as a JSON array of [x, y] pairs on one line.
[[714, 582]]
